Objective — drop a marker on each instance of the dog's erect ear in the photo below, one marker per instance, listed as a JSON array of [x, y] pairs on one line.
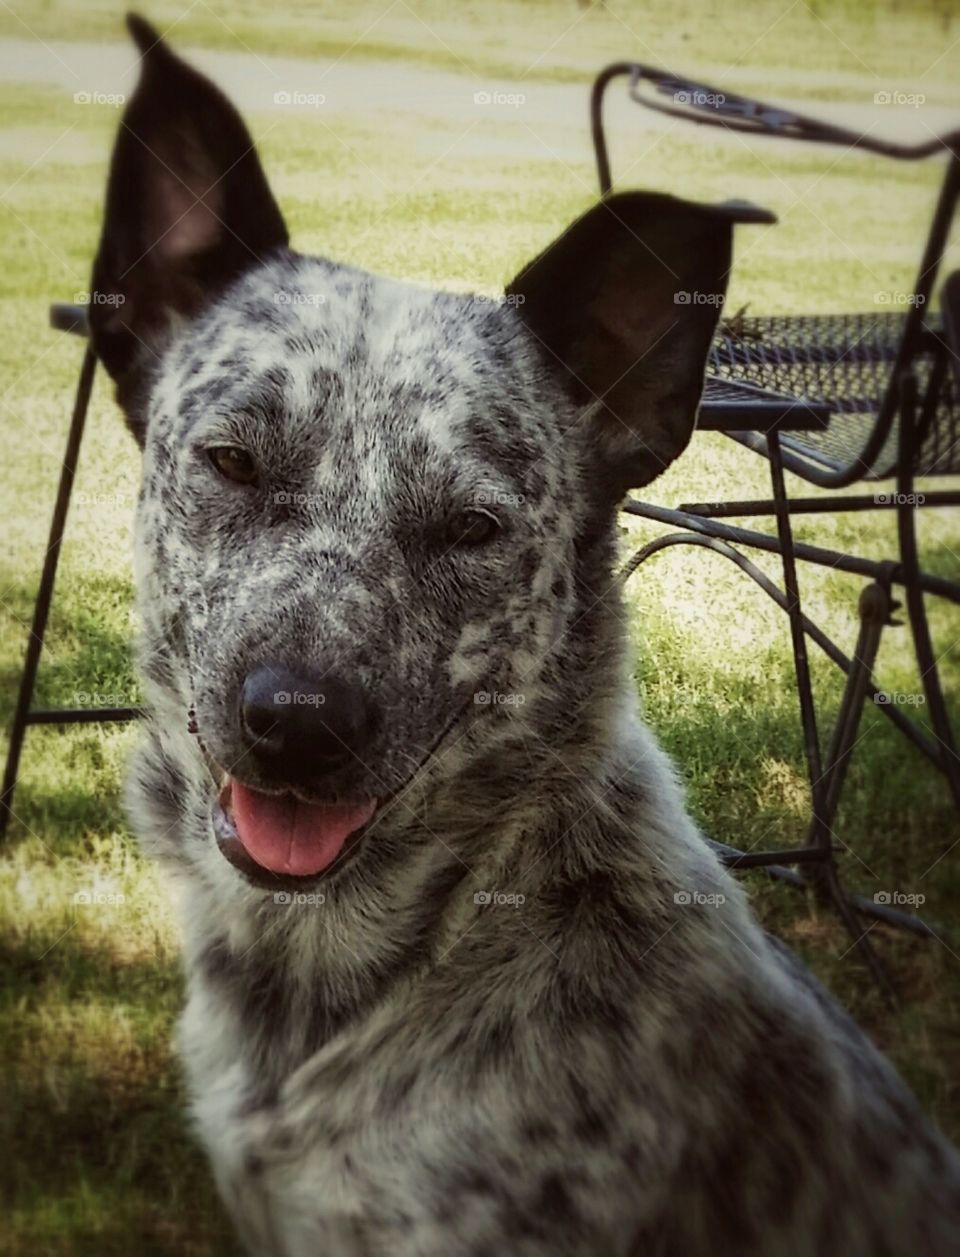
[[625, 304], [188, 209]]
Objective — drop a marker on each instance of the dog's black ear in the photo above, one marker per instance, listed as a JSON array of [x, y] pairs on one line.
[[625, 304], [188, 209]]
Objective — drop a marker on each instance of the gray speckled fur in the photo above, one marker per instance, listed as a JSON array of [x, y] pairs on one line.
[[403, 1071]]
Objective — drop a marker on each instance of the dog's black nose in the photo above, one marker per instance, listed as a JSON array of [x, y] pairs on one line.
[[299, 725]]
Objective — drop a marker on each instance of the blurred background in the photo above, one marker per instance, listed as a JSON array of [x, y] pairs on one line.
[[444, 145]]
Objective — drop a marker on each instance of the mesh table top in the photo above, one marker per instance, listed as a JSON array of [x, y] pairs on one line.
[[842, 364]]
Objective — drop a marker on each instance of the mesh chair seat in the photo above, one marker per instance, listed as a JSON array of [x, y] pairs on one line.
[[845, 361]]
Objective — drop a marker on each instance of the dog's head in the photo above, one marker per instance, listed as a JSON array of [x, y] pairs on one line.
[[374, 535]]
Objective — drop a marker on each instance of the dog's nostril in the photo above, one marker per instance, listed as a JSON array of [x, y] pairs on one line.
[[259, 719], [300, 723], [261, 703]]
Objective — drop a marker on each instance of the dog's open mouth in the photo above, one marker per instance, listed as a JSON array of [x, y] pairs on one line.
[[281, 835]]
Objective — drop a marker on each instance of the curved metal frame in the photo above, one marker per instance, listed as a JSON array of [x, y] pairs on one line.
[[706, 105], [910, 566], [741, 114], [833, 652], [785, 452], [817, 857]]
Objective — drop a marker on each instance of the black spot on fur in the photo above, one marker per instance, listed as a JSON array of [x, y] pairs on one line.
[[397, 1089], [592, 1124], [537, 1133], [554, 1198]]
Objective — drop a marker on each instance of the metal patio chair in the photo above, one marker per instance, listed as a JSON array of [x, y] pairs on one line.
[[873, 396]]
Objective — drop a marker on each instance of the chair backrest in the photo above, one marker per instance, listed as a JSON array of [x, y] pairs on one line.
[[855, 363]]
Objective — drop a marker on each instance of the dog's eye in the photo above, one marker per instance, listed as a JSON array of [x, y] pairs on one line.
[[472, 528], [234, 463]]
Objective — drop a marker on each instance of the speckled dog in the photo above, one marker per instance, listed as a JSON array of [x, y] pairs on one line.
[[464, 979]]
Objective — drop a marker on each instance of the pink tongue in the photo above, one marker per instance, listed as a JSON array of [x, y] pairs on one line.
[[287, 836]]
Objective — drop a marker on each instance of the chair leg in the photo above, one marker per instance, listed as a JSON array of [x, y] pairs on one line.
[[875, 610], [830, 889], [41, 609], [822, 876], [808, 714]]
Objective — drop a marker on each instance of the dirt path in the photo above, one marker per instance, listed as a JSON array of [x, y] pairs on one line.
[[365, 88]]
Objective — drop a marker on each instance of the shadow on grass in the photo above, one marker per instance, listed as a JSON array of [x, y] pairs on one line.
[[104, 1162], [64, 815], [748, 786], [69, 774], [87, 649]]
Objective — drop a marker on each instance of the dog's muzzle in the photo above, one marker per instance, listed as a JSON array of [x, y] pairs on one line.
[[278, 836], [300, 729]]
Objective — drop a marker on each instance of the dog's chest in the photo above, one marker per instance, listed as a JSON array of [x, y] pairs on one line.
[[254, 1142]]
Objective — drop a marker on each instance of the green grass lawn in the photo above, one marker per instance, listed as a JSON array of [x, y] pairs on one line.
[[98, 1159]]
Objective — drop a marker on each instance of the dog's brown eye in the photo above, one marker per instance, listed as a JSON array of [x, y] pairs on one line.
[[234, 464], [472, 528]]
